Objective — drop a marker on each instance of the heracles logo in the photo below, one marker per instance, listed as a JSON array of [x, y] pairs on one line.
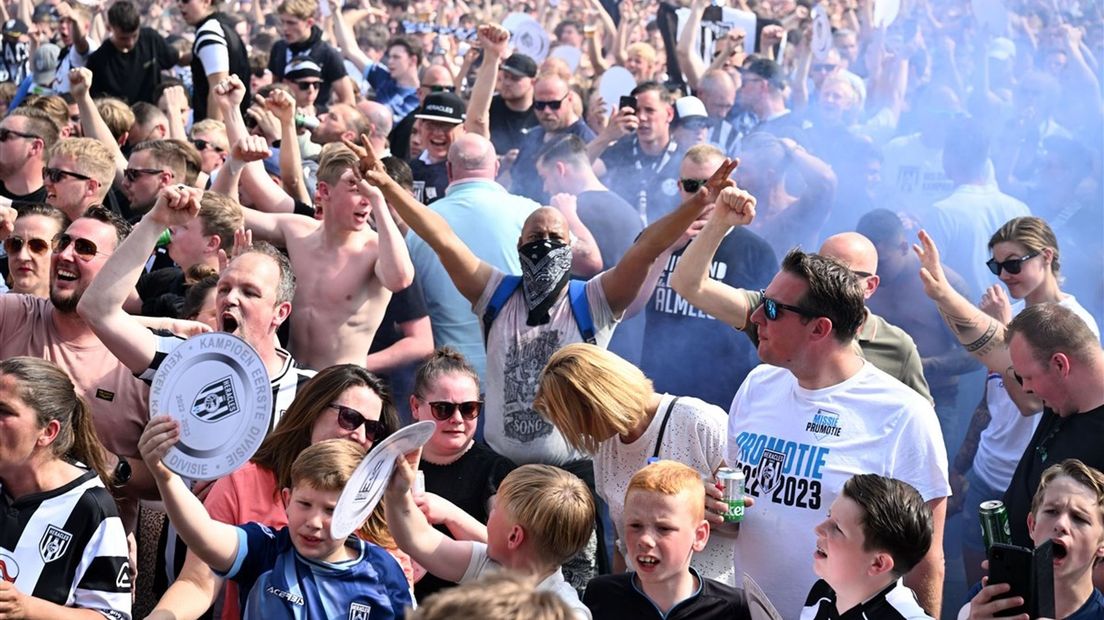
[[359, 611], [215, 401], [55, 542]]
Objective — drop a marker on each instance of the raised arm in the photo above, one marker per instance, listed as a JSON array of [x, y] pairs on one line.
[[468, 273], [690, 61], [282, 105], [586, 258], [213, 542], [494, 40], [175, 100], [92, 124], [102, 303], [343, 33], [623, 281], [691, 276], [393, 267], [440, 555]]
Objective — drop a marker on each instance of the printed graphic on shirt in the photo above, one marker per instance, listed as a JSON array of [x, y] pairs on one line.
[[667, 301], [55, 542], [216, 401], [911, 179], [520, 378], [359, 611], [122, 580], [784, 472], [824, 424], [294, 599]]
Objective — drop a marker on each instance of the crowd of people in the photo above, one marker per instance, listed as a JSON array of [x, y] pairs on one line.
[[848, 252]]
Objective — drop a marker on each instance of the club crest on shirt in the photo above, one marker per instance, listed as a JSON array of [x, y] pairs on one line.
[[122, 580], [55, 542], [770, 470], [215, 401], [823, 424], [359, 611]]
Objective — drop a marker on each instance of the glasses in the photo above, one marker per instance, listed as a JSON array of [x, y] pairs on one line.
[[83, 248], [350, 419], [14, 245], [7, 134], [1012, 265], [54, 175], [441, 89], [824, 68], [307, 85], [772, 308], [552, 105], [442, 409], [132, 174], [691, 186], [203, 145]]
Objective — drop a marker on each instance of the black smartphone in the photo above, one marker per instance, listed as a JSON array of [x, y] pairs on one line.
[[627, 101], [1030, 573]]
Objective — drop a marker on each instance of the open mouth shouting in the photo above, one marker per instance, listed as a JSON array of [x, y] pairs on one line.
[[230, 323], [1059, 551], [66, 274]]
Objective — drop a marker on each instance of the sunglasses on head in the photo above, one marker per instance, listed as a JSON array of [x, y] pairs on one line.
[[14, 245], [7, 134], [202, 145], [691, 186], [552, 105], [82, 247], [442, 409], [54, 175], [350, 419], [1012, 265], [307, 84], [132, 174], [773, 308]]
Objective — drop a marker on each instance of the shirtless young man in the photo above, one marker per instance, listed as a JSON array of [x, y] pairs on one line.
[[347, 270]]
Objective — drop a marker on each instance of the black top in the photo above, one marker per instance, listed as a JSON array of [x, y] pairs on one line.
[[619, 596], [430, 180], [406, 305], [399, 138], [469, 482], [1077, 436], [318, 51], [162, 292], [647, 182], [133, 76], [216, 29], [613, 222], [894, 602], [507, 125], [35, 197], [525, 179]]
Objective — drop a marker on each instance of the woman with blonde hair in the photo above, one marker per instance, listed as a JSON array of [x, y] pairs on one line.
[[606, 406]]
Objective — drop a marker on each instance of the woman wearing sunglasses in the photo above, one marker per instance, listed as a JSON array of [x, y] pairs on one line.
[[1026, 260], [605, 406], [30, 247], [344, 401], [456, 468]]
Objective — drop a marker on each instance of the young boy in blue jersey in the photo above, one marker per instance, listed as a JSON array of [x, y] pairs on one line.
[[298, 571], [541, 516], [876, 531], [664, 525]]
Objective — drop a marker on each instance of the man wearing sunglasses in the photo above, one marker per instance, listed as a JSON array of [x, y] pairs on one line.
[[304, 77], [79, 174], [26, 136], [554, 105]]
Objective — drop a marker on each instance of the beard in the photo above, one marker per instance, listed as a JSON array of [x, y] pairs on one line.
[[65, 303]]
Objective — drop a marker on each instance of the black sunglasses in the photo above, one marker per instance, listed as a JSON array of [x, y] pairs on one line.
[[441, 89], [7, 134], [201, 145], [824, 67], [307, 85], [691, 186], [54, 175], [83, 247], [553, 105], [14, 245], [1012, 265], [132, 174], [772, 308], [442, 409], [350, 419]]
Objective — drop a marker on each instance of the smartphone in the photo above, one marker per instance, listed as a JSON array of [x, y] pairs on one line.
[[627, 101], [1030, 573]]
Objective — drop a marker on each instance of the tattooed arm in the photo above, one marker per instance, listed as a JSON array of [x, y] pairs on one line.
[[980, 334]]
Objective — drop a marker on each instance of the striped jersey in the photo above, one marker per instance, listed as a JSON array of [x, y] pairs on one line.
[[895, 602], [67, 546]]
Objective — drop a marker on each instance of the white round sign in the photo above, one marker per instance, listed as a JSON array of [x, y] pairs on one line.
[[365, 487], [569, 54], [527, 36], [885, 12], [615, 83], [217, 387], [822, 33]]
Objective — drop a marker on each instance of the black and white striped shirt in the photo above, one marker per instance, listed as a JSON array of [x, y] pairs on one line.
[[895, 602], [67, 546]]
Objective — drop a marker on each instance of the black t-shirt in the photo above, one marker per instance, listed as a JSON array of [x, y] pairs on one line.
[[612, 221], [321, 53], [216, 29], [681, 338], [615, 596], [467, 482], [162, 292], [37, 196], [430, 180], [647, 182], [406, 305], [525, 179], [1078, 436], [399, 138], [507, 125], [133, 76]]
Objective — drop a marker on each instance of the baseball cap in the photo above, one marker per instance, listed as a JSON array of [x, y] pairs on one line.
[[45, 13], [767, 69], [445, 107], [520, 65], [15, 28], [690, 109], [302, 68], [44, 64]]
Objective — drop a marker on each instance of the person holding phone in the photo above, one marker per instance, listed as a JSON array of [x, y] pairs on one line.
[[1068, 511]]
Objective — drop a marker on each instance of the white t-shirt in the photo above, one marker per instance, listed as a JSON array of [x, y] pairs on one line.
[[1002, 443], [516, 355], [480, 564], [695, 436], [797, 447]]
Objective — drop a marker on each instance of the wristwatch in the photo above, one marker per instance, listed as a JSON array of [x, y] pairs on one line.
[[122, 473]]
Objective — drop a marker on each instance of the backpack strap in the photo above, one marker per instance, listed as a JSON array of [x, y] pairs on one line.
[[502, 294], [663, 426], [580, 309]]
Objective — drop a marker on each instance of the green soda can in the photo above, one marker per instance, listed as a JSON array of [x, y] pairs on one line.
[[733, 481], [165, 238], [994, 523]]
